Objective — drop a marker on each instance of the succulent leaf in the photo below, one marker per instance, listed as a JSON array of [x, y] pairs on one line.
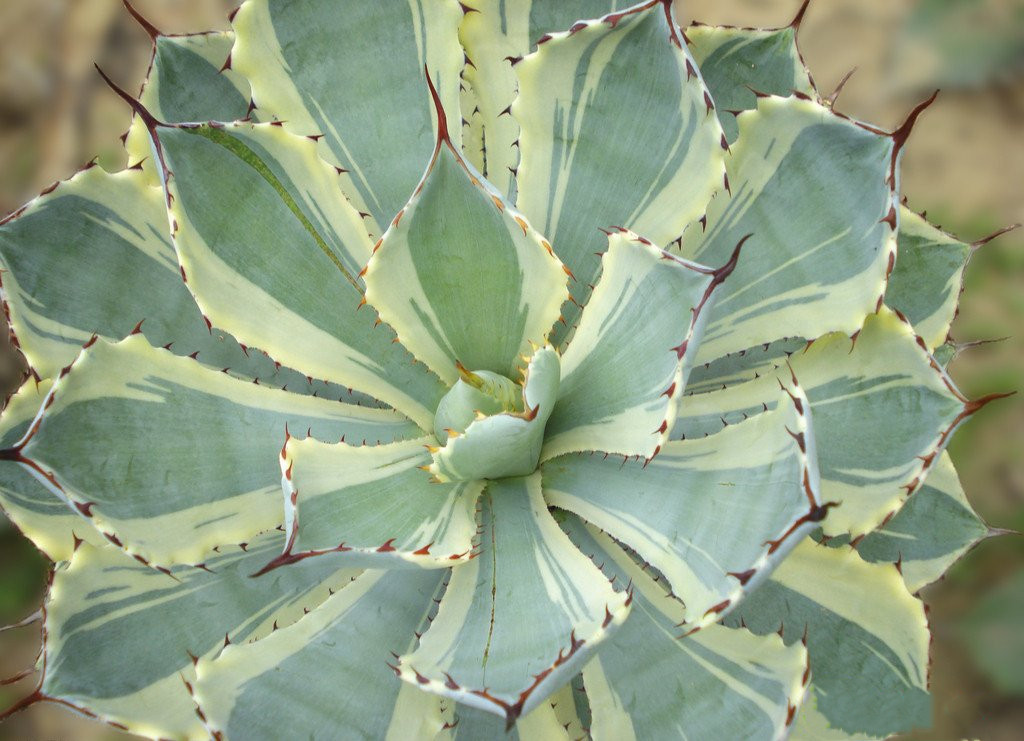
[[736, 62], [881, 380], [866, 635], [52, 292], [46, 519], [461, 276], [308, 61], [476, 393], [931, 532], [506, 444], [713, 515], [810, 186], [169, 458], [517, 622], [374, 499], [926, 280], [259, 221], [642, 324], [187, 82], [648, 682], [508, 542], [248, 689], [62, 252], [493, 34], [599, 150], [120, 637]]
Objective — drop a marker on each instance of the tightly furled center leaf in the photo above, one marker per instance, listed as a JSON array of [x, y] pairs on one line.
[[489, 433], [475, 394]]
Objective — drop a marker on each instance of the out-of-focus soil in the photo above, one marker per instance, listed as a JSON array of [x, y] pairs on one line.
[[965, 164]]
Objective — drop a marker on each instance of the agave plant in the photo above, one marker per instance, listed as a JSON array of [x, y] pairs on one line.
[[624, 417]]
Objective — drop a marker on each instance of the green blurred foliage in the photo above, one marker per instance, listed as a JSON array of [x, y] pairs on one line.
[[969, 43]]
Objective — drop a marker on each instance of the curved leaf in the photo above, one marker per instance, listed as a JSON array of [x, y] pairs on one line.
[[62, 253], [494, 33], [713, 515], [43, 518], [527, 574], [253, 691], [817, 192], [737, 61], [506, 444], [308, 61], [866, 635], [931, 531], [259, 221], [600, 149], [461, 277], [882, 379], [627, 363], [187, 82], [169, 458], [374, 500], [926, 280], [121, 638], [648, 682]]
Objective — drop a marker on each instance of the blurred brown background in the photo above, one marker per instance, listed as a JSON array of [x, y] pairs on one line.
[[964, 164]]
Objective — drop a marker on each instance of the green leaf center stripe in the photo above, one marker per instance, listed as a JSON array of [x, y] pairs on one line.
[[374, 501], [933, 529], [737, 61], [353, 72], [528, 574], [240, 244], [714, 527], [460, 275], [169, 458], [648, 682], [600, 149], [120, 636], [250, 691], [247, 155], [863, 628], [927, 278], [812, 188], [627, 364]]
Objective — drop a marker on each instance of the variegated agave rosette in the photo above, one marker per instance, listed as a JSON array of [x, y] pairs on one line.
[[572, 422]]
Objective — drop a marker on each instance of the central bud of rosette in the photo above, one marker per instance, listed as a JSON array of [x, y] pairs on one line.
[[490, 427]]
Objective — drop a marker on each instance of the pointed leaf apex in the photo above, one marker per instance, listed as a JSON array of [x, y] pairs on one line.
[[998, 233], [148, 27], [726, 270], [799, 17], [901, 134], [994, 532], [140, 110], [442, 119], [976, 404], [831, 99], [469, 376]]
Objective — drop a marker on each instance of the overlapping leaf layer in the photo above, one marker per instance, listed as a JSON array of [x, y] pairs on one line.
[[447, 369]]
